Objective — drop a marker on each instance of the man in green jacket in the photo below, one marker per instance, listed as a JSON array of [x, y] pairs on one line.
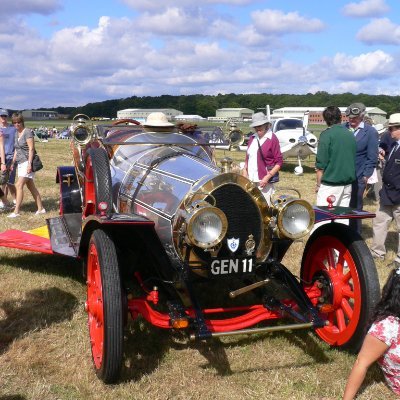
[[335, 163]]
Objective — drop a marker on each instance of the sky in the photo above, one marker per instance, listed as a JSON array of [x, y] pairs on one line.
[[74, 52]]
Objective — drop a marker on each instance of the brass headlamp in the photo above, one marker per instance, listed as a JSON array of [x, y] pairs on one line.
[[294, 217], [81, 132]]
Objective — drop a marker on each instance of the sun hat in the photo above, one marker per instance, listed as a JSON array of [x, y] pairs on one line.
[[355, 109], [394, 119], [157, 119], [3, 112], [259, 119]]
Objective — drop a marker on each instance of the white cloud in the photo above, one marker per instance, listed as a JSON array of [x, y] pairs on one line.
[[91, 50], [380, 31], [182, 47], [347, 87], [366, 8], [44, 7], [277, 22], [251, 37], [369, 65], [173, 21]]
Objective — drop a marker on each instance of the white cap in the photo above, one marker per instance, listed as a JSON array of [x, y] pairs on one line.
[[157, 119]]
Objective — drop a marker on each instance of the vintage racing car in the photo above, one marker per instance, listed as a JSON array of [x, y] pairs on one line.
[[169, 235]]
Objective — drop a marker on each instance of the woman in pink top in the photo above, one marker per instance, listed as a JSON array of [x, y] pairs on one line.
[[263, 157], [382, 343]]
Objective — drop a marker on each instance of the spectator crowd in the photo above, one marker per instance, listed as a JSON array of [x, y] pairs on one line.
[[350, 156]]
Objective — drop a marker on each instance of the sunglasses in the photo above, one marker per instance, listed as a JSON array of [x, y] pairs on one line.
[[393, 128], [3, 116]]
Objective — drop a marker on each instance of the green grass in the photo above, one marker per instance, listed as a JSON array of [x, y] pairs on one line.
[[44, 343]]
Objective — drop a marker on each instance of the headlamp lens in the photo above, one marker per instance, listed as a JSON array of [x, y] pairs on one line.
[[207, 227], [296, 219]]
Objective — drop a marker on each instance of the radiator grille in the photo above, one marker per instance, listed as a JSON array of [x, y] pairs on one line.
[[243, 216]]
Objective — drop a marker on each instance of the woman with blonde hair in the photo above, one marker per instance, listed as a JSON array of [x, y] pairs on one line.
[[23, 155]]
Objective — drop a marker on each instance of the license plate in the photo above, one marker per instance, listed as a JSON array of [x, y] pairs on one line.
[[231, 266]]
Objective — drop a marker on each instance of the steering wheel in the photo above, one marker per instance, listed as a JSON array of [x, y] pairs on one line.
[[126, 121]]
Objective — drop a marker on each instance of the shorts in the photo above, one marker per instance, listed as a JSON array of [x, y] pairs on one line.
[[13, 173], [22, 171]]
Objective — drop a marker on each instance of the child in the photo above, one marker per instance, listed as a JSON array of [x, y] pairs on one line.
[[382, 342]]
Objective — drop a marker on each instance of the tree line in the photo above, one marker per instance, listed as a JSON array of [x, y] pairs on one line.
[[206, 105]]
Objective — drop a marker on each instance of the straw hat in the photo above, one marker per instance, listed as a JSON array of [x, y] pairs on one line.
[[394, 119]]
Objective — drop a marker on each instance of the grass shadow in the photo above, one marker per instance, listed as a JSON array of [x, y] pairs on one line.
[[310, 344], [214, 350], [29, 205], [215, 354], [144, 348], [46, 263], [12, 397], [36, 311], [374, 376]]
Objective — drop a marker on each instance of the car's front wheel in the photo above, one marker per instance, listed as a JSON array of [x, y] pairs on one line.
[[104, 307], [338, 258]]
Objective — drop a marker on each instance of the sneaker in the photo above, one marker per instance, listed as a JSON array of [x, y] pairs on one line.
[[13, 215], [14, 202], [42, 211]]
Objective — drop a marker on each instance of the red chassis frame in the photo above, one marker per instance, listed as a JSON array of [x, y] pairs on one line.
[[251, 315]]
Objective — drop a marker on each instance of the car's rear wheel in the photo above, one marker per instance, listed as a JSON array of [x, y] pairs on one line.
[[338, 258], [105, 307], [97, 185]]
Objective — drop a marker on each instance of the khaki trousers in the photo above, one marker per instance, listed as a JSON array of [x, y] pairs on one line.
[[381, 223], [342, 195]]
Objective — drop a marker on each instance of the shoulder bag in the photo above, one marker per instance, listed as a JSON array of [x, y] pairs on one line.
[[37, 164], [274, 178]]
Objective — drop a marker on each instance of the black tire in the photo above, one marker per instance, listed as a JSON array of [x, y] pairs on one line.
[[104, 307], [98, 184], [337, 257]]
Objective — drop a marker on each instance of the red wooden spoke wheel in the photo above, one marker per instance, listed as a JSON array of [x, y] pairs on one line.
[[104, 307], [340, 261]]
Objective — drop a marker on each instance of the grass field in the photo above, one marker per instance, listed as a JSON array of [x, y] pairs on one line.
[[44, 343]]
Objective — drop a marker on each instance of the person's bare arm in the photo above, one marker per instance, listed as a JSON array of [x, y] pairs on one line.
[[371, 350], [319, 172], [269, 175], [31, 146]]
